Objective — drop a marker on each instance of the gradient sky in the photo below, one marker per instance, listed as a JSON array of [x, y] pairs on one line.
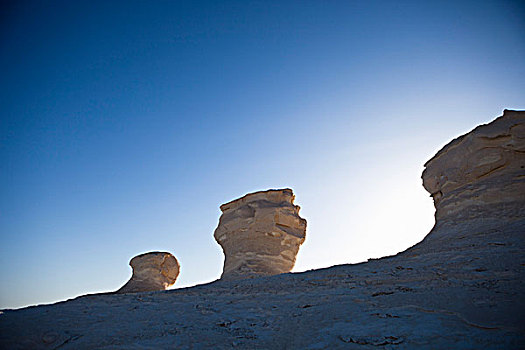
[[124, 126]]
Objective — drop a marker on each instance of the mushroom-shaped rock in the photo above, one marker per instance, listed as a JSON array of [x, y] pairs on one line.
[[151, 272], [260, 234], [480, 174]]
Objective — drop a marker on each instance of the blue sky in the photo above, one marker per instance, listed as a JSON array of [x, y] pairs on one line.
[[125, 125]]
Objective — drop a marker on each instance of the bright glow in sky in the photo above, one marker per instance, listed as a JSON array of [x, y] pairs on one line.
[[126, 125]]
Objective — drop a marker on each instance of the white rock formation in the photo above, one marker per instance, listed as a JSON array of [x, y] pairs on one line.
[[481, 173], [151, 272], [462, 287], [260, 234]]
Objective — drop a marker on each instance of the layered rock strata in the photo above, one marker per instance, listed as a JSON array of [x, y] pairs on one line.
[[480, 174], [151, 272], [260, 234]]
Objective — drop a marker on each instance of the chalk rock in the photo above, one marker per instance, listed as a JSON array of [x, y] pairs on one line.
[[480, 174], [461, 287], [260, 234], [151, 272]]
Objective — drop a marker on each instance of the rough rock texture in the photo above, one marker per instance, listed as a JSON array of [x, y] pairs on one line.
[[151, 272], [462, 287], [260, 234], [481, 173]]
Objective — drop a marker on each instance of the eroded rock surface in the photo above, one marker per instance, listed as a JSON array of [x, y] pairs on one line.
[[151, 272], [260, 234], [460, 288], [481, 173]]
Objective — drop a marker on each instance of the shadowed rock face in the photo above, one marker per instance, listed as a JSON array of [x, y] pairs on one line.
[[260, 234], [480, 174], [151, 272]]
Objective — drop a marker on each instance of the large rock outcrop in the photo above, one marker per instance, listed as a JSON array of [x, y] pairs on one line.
[[462, 287], [480, 174], [151, 272], [260, 234]]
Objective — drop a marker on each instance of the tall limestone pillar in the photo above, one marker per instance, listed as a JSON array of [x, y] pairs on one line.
[[260, 234]]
